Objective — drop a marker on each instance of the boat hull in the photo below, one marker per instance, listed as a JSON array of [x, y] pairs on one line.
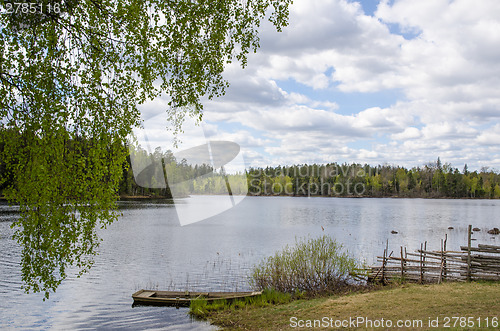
[[183, 299]]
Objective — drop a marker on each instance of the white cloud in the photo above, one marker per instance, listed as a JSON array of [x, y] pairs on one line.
[[448, 130], [367, 155], [388, 119], [448, 76], [409, 133], [456, 53], [244, 138], [490, 137]]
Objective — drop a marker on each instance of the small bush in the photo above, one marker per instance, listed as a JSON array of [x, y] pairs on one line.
[[315, 266]]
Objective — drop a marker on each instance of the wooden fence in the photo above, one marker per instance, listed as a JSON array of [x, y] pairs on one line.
[[423, 266]]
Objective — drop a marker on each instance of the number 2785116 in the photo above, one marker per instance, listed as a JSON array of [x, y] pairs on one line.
[[31, 8]]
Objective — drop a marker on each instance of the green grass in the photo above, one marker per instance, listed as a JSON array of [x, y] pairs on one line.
[[479, 300], [202, 308]]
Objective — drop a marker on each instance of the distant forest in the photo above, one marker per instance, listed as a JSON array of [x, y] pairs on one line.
[[432, 180]]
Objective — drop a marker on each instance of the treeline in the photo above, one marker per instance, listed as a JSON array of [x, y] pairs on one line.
[[145, 174], [433, 180], [161, 175]]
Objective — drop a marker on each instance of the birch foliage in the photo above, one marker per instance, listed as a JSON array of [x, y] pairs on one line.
[[72, 74]]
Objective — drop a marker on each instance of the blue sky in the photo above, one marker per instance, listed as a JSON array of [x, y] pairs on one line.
[[401, 82]]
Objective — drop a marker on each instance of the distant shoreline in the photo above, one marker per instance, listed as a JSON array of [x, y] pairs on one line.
[[372, 197], [146, 197], [141, 197]]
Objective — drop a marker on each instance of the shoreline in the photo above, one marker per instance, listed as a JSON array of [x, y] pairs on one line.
[[146, 197], [434, 303]]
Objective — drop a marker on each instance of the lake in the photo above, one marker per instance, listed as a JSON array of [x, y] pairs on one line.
[[147, 248]]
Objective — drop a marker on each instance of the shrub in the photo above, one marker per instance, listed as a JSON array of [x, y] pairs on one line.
[[316, 266]]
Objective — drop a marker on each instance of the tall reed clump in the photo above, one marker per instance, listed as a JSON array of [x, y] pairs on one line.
[[315, 266]]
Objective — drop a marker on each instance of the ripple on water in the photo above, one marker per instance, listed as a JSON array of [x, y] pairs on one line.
[[146, 248]]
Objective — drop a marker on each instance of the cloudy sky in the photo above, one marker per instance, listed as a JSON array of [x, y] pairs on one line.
[[399, 82]]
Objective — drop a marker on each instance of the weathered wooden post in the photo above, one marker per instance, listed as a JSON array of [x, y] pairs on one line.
[[384, 261], [421, 265], [402, 265], [423, 260], [444, 255], [383, 267], [469, 240], [441, 269]]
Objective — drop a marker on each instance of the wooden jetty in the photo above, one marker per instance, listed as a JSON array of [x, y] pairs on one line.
[[183, 299], [424, 266]]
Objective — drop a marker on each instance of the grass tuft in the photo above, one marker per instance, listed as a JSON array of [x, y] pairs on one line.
[[202, 309]]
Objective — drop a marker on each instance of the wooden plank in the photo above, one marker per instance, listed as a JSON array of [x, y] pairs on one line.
[[478, 261], [397, 260], [486, 258], [454, 254], [438, 257], [145, 294], [489, 246], [481, 250]]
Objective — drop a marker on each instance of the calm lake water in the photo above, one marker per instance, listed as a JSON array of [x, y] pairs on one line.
[[147, 248]]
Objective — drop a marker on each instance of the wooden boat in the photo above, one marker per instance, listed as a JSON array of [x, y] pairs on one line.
[[183, 299]]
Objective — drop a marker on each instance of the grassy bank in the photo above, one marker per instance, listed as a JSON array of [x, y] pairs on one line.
[[480, 301]]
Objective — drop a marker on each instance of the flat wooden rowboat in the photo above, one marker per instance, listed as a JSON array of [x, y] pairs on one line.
[[183, 299]]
